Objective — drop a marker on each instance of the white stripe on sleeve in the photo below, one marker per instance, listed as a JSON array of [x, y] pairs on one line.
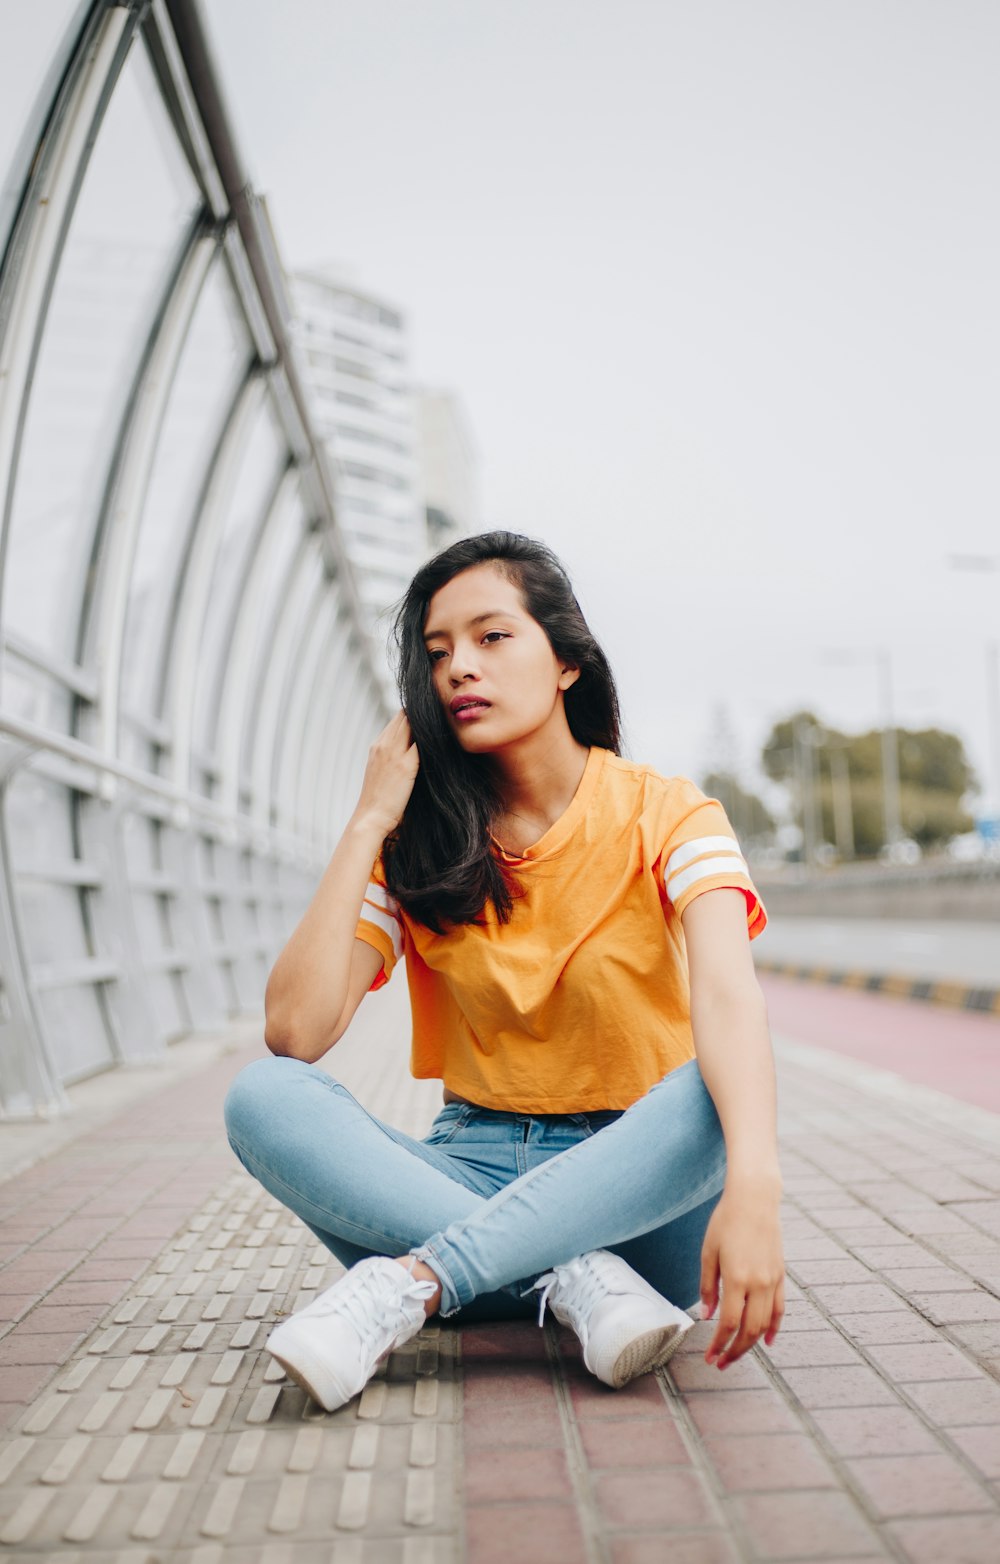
[[379, 896], [732, 864], [697, 848], [383, 921]]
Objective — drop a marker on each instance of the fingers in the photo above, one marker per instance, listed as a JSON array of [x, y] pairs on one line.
[[709, 1281], [777, 1313], [730, 1316], [745, 1318], [756, 1315]]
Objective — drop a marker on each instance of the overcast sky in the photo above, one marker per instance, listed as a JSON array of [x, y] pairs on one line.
[[717, 282]]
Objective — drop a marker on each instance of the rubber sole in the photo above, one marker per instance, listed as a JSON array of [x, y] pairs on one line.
[[301, 1379], [647, 1352]]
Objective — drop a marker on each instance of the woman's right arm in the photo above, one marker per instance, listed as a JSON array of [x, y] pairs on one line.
[[324, 972]]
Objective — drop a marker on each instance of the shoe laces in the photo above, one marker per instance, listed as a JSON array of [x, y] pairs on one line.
[[584, 1284], [374, 1301]]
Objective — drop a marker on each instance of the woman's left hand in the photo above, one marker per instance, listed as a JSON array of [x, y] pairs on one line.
[[742, 1249]]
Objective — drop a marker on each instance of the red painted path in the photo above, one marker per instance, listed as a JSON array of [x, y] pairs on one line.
[[952, 1050]]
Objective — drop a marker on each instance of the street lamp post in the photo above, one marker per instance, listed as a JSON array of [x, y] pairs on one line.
[[840, 784], [804, 756], [891, 811], [986, 564], [890, 755]]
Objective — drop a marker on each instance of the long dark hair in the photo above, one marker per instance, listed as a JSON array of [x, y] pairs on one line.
[[439, 862]]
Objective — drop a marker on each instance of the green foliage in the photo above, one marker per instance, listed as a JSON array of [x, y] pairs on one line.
[[748, 815], [934, 776]]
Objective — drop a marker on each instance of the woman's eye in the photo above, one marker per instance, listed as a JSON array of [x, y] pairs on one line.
[[436, 654], [495, 635]]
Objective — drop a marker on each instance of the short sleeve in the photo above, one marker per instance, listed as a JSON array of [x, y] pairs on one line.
[[380, 924], [701, 853]]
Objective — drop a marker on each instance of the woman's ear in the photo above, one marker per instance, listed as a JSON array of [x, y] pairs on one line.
[[568, 676]]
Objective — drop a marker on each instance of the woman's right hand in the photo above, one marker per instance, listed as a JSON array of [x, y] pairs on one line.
[[393, 762]]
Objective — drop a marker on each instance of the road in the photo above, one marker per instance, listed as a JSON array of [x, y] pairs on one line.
[[960, 952]]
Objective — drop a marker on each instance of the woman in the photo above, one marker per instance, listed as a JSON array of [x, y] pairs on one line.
[[576, 930]]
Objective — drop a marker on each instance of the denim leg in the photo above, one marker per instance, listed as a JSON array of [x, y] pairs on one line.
[[664, 1157], [360, 1185], [670, 1257]]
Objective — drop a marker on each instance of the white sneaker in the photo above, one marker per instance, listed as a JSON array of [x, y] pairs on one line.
[[626, 1327], [333, 1346]]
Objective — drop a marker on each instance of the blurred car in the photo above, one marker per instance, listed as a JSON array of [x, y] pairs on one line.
[[905, 850]]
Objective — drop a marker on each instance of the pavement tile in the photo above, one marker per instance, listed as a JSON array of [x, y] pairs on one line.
[[938, 1220], [854, 1219], [79, 1233], [923, 1360], [802, 1316], [812, 1273], [981, 1446], [899, 1256], [857, 1431], [806, 1525], [957, 1539], [529, 1533], [516, 1474], [863, 1298], [506, 1385], [839, 1386], [503, 1427], [945, 1307], [891, 1195], [741, 1412], [901, 1326], [85, 1292], [632, 1442], [766, 1462], [64, 1318], [692, 1373], [23, 1345], [675, 1498], [811, 1348], [957, 1405], [14, 1306], [980, 1337], [642, 1398], [35, 1272], [928, 1278], [969, 1242], [20, 1382], [983, 1213], [506, 1342], [896, 1486], [699, 1548], [814, 1249], [875, 1231]]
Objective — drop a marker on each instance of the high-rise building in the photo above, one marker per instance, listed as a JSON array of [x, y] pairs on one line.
[[354, 353], [448, 468]]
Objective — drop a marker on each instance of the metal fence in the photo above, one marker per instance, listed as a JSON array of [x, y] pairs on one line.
[[186, 681]]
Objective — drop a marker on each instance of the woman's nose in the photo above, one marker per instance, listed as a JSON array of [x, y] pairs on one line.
[[463, 665]]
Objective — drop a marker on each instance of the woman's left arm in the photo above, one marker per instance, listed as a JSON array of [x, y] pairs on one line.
[[742, 1245]]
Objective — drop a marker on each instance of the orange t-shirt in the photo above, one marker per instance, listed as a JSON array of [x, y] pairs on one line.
[[582, 1000]]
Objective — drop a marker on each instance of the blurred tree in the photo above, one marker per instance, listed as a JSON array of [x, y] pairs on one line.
[[748, 815], [934, 774]]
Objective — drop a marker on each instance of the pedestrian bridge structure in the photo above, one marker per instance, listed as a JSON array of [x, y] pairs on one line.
[[186, 676]]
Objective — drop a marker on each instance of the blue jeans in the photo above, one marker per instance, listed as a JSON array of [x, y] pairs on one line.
[[489, 1199]]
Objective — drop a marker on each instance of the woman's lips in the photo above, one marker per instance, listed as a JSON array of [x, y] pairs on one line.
[[469, 712]]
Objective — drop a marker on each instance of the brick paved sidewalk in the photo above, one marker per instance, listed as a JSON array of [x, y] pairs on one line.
[[146, 1423]]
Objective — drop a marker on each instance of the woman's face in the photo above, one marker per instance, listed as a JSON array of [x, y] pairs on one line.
[[494, 670]]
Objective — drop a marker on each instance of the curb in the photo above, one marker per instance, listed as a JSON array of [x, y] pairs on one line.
[[954, 996]]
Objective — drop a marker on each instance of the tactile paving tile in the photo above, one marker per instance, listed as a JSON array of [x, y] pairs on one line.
[[173, 1432]]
